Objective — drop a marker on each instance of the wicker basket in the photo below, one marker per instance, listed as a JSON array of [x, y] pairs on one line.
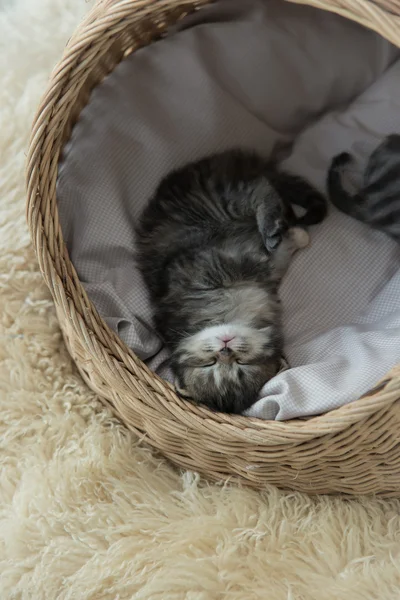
[[352, 450]]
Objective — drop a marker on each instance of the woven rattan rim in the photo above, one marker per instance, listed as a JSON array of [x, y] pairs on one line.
[[112, 30]]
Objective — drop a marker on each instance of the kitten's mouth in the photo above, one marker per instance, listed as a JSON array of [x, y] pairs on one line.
[[225, 355]]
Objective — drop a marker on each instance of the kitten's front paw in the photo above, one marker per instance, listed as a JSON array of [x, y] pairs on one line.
[[272, 242], [274, 234], [300, 237]]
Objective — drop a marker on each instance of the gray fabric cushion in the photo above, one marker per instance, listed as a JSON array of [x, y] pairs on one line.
[[259, 74]]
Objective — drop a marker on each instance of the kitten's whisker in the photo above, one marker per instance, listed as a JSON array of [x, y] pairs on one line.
[[181, 332]]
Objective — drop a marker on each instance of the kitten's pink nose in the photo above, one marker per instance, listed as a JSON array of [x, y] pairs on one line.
[[226, 339]]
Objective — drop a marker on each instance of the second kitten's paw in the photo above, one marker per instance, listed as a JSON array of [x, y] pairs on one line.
[[300, 237]]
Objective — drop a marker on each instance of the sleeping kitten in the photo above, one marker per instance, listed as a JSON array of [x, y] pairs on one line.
[[378, 202], [213, 245]]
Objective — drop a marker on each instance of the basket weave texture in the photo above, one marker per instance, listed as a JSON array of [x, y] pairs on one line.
[[352, 450]]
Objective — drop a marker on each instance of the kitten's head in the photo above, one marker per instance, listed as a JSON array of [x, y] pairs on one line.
[[225, 367]]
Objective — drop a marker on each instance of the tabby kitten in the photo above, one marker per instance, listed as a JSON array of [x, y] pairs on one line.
[[377, 203], [213, 245]]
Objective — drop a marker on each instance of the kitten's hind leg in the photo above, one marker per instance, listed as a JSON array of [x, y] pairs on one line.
[[295, 239], [296, 190]]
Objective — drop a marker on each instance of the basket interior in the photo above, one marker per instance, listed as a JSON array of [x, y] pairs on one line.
[[278, 78]]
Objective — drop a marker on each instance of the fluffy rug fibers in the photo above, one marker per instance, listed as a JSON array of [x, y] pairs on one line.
[[86, 511]]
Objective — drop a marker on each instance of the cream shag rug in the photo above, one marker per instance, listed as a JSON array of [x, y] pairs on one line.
[[88, 513]]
